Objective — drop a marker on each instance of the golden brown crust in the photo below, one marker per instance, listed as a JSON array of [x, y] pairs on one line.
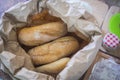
[[54, 67], [37, 35], [54, 50], [42, 18]]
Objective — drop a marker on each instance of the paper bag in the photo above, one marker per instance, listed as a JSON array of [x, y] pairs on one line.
[[77, 14]]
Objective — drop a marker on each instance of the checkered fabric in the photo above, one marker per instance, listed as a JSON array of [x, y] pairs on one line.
[[111, 40]]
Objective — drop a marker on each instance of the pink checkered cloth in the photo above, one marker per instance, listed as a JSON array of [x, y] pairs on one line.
[[111, 40]]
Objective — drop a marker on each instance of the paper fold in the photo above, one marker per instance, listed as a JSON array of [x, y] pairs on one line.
[[77, 14]]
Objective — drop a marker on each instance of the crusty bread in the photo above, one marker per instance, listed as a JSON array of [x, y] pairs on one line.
[[54, 67], [54, 50], [42, 18], [37, 35]]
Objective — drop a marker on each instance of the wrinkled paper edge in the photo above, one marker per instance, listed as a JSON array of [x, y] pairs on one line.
[[77, 64]]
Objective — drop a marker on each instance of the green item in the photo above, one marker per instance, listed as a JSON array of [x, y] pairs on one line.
[[114, 24]]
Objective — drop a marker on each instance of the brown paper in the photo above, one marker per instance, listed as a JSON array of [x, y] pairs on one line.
[[11, 61], [76, 14], [14, 47], [31, 75], [1, 44]]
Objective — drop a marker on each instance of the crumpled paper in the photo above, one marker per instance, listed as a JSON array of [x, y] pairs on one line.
[[76, 14]]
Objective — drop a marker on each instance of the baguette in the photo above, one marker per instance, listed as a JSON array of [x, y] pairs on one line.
[[42, 18], [37, 35], [53, 51], [54, 67]]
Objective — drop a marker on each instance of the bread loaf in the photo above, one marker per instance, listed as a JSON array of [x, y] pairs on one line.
[[42, 18], [54, 67], [37, 35], [53, 51]]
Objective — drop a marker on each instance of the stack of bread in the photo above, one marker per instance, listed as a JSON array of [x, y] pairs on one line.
[[51, 46]]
